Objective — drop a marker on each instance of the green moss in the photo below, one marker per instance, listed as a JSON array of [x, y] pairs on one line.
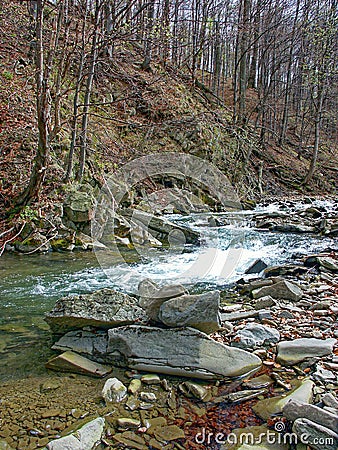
[[59, 244]]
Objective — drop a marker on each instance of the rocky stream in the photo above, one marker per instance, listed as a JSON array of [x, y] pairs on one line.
[[220, 333]]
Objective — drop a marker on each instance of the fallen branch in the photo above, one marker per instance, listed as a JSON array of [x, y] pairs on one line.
[[40, 246], [6, 232], [11, 239]]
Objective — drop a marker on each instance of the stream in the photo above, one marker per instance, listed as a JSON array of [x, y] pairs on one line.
[[30, 285]]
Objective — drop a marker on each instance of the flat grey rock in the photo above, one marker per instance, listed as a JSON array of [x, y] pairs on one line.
[[85, 438], [72, 362], [105, 308], [177, 351], [254, 335], [293, 352], [296, 410]]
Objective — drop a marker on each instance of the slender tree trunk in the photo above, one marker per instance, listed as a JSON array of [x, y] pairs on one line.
[[89, 86], [243, 65], [285, 118], [148, 39], [318, 122], [43, 105]]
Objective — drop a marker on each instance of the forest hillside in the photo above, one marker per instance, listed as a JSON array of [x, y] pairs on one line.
[[88, 86]]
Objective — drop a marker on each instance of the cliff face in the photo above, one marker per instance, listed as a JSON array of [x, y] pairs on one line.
[[136, 112]]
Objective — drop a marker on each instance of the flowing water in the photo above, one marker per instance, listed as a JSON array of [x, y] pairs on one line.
[[30, 285]]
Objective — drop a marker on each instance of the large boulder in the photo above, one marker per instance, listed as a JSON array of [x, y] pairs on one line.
[[298, 350], [175, 351], [281, 290], [105, 308], [196, 311], [79, 204], [152, 296]]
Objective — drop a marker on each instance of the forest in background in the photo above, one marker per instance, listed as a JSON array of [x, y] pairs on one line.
[[251, 85]]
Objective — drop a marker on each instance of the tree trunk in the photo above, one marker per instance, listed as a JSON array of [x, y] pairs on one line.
[[43, 105], [89, 87]]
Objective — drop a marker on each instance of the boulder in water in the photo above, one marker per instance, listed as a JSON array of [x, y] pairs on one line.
[[72, 362]]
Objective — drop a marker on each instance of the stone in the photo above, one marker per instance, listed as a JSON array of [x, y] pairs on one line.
[[150, 378], [257, 267], [83, 439], [292, 228], [259, 382], [148, 396], [243, 396], [281, 290], [50, 385], [303, 391], [184, 352], [328, 263], [265, 302], [255, 335], [4, 445], [36, 242], [134, 386], [298, 350], [239, 315], [84, 342], [190, 389], [128, 423], [72, 362], [152, 296], [173, 200], [155, 422], [316, 436], [196, 311], [131, 440], [330, 400], [105, 308], [295, 410], [114, 391], [257, 284], [169, 433]]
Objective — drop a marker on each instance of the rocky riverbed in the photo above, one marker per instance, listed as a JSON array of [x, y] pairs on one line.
[[174, 368]]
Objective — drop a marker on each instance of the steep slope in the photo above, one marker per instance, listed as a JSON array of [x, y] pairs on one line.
[[137, 112]]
